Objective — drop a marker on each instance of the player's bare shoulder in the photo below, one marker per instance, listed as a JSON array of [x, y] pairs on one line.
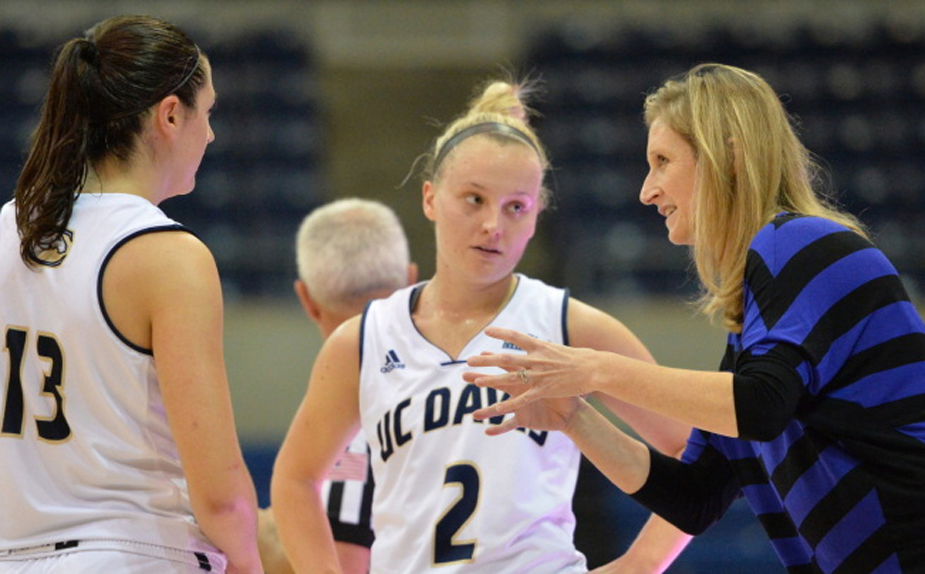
[[347, 333], [340, 355], [592, 328]]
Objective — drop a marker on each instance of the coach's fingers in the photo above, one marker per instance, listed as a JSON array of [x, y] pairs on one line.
[[500, 382], [524, 341], [506, 426], [506, 361], [510, 383], [505, 407]]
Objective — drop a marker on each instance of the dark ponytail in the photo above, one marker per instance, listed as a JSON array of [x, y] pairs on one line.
[[102, 87]]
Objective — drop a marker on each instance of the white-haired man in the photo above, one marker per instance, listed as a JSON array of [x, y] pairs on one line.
[[348, 252]]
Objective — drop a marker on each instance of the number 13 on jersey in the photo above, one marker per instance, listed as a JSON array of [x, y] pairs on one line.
[[12, 418]]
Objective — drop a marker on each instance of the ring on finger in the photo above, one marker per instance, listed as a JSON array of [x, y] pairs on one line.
[[523, 376]]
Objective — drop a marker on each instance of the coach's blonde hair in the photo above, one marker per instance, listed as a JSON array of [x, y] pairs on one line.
[[750, 166], [500, 102]]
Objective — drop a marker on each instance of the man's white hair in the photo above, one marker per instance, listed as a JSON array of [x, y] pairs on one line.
[[349, 249]]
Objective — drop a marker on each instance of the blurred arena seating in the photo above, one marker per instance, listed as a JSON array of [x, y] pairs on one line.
[[857, 95], [259, 177], [856, 92]]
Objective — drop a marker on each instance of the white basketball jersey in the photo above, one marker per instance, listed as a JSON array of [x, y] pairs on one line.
[[448, 498], [85, 449]]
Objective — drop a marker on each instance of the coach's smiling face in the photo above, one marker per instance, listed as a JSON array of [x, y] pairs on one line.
[[671, 182]]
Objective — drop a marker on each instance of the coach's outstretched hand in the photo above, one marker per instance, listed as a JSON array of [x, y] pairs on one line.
[[546, 371]]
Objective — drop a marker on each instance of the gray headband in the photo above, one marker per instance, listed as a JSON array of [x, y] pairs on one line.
[[189, 74], [486, 127]]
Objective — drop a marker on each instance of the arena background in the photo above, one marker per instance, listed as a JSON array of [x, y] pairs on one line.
[[327, 99]]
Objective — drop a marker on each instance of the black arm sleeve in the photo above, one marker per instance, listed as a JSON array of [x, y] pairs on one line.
[[690, 496], [767, 390]]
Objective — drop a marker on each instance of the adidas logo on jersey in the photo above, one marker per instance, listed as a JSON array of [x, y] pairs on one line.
[[392, 362]]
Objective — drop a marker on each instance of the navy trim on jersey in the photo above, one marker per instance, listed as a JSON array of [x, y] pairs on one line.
[[415, 295], [363, 330], [565, 300], [99, 279], [413, 298]]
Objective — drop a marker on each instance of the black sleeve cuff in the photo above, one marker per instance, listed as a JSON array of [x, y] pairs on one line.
[[690, 496], [767, 390]]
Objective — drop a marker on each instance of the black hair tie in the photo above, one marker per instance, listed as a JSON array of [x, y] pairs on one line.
[[90, 53]]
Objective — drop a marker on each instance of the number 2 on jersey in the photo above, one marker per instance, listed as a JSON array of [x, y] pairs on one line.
[[52, 429], [446, 549]]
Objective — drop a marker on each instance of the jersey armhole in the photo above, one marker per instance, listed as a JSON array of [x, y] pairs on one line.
[[99, 280], [363, 332]]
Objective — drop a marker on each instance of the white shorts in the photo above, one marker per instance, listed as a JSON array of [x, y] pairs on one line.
[[96, 556]]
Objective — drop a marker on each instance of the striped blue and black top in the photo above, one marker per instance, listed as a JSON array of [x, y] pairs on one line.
[[830, 389]]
